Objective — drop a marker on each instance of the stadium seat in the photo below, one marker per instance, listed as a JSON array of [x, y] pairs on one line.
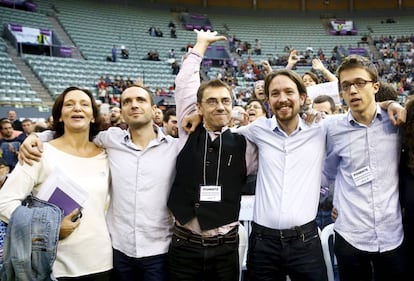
[[326, 234]]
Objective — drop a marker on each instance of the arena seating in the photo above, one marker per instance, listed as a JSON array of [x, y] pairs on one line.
[[95, 33]]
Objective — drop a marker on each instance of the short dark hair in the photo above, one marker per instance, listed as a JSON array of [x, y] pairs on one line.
[[4, 121], [58, 126], [259, 102], [214, 83], [357, 61], [314, 77], [291, 75], [151, 96], [386, 92], [169, 112], [27, 120], [325, 98]]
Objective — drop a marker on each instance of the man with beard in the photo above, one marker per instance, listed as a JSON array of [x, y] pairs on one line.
[[284, 239], [170, 123], [158, 117], [116, 119], [9, 144]]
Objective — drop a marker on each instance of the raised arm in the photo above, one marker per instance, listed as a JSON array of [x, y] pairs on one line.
[[292, 60], [188, 79], [318, 65]]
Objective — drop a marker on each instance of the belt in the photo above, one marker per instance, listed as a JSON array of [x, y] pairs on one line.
[[303, 232], [183, 233]]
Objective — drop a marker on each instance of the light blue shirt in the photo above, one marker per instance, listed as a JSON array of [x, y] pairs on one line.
[[289, 172], [369, 216]]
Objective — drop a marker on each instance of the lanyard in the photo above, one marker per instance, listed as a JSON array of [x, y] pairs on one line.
[[205, 160]]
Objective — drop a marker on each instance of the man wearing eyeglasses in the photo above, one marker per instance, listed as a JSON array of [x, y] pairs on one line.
[[362, 157], [211, 170]]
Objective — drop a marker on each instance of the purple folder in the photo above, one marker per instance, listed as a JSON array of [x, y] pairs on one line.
[[63, 201]]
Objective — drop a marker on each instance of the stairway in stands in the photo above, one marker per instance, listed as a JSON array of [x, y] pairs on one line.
[[67, 42], [27, 73]]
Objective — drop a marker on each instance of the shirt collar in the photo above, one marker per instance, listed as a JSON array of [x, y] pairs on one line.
[[277, 129], [160, 134], [378, 114]]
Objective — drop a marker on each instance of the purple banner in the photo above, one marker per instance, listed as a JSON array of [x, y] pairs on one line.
[[31, 6], [44, 31], [65, 51], [16, 27]]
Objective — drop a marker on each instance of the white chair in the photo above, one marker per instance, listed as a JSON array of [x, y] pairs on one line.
[[245, 217], [243, 239], [326, 233]]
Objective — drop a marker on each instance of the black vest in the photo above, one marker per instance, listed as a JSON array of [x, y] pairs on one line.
[[184, 200]]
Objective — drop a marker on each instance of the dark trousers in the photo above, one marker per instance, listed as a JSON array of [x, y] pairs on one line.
[[357, 265], [274, 253], [102, 276], [127, 268], [192, 261]]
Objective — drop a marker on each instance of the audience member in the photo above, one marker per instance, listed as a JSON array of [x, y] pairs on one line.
[[258, 47], [124, 52], [175, 68], [173, 32], [151, 31], [153, 55], [386, 92], [255, 109], [259, 93], [4, 172], [115, 118], [12, 116], [158, 117], [158, 32], [114, 53], [9, 144], [28, 127], [170, 123]]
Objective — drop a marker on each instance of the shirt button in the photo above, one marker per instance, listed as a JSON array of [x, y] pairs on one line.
[[197, 205]]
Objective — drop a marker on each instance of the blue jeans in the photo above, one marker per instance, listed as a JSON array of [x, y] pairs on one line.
[[273, 254], [127, 268], [323, 218], [359, 265], [189, 261]]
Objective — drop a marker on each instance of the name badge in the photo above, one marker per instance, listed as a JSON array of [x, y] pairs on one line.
[[210, 193], [362, 176]]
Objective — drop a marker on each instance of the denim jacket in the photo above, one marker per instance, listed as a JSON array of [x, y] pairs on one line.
[[31, 242]]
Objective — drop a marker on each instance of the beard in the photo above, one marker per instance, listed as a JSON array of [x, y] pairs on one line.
[[285, 111]]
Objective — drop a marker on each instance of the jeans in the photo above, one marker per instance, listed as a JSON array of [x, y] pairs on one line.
[[153, 268], [102, 276], [189, 261], [323, 218], [273, 254], [360, 265]]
